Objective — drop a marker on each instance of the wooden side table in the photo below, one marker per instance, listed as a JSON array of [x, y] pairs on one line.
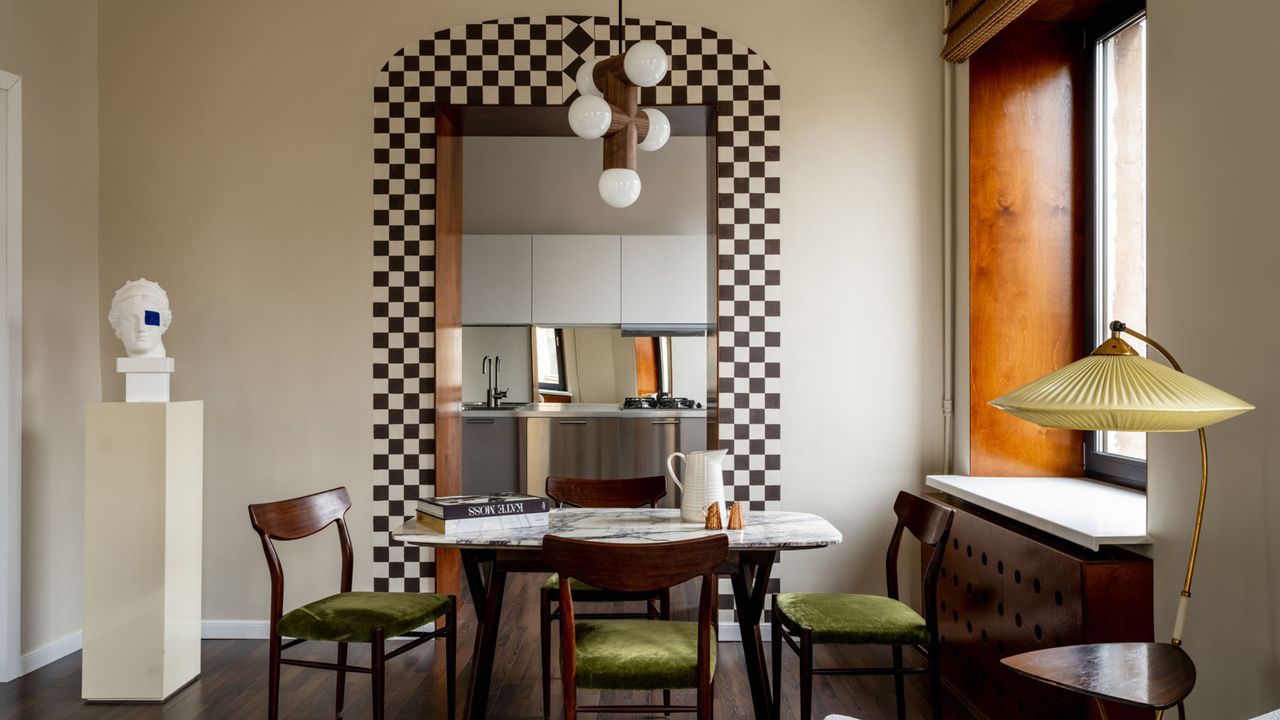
[[1153, 676]]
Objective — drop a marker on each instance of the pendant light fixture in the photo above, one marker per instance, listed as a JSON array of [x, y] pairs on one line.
[[608, 107]]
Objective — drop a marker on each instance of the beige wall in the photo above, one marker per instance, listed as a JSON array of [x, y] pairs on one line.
[[1214, 260], [53, 47], [236, 144]]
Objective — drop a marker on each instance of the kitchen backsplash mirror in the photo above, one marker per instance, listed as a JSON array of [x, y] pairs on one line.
[[582, 364]]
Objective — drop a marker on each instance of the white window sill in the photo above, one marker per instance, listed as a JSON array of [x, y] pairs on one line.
[[1085, 512]]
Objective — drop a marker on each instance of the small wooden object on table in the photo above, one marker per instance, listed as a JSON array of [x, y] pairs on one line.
[[735, 517], [713, 517]]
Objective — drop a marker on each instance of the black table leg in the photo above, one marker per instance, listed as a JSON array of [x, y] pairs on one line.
[[487, 597], [750, 588]]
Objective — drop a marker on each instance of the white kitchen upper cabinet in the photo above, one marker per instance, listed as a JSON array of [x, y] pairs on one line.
[[497, 278], [577, 280], [664, 279]]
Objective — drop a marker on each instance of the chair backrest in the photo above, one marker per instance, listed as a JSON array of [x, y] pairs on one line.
[[930, 523], [635, 567], [618, 493], [298, 518]]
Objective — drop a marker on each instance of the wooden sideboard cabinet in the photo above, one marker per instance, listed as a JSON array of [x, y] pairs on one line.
[[1006, 588]]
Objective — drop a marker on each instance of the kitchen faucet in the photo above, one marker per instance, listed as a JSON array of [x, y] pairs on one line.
[[492, 367]]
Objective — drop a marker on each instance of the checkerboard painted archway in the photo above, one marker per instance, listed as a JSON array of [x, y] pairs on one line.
[[532, 61]]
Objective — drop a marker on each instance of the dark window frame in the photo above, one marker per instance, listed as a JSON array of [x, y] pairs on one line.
[[1098, 465], [563, 385]]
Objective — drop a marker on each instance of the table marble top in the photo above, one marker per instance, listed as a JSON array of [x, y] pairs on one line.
[[765, 530]]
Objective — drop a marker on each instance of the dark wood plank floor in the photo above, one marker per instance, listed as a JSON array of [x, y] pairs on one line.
[[234, 682]]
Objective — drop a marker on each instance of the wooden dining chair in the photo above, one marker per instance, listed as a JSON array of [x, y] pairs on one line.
[[347, 617], [587, 493], [637, 654], [803, 620]]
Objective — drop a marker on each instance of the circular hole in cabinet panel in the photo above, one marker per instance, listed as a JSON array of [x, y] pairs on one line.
[[955, 616], [1000, 609], [984, 558], [968, 550], [955, 543], [1017, 619], [985, 599], [984, 637], [1000, 567], [1017, 577], [943, 606], [968, 588], [1038, 632], [955, 580], [1035, 584], [968, 625], [1057, 597]]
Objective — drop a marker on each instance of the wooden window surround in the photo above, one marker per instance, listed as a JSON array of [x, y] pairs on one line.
[[1030, 109]]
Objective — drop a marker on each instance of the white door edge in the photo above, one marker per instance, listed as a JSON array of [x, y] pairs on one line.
[[11, 382]]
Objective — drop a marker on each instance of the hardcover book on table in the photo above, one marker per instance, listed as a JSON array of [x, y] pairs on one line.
[[460, 507], [483, 523]]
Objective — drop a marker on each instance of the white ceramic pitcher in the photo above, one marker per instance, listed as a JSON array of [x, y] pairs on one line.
[[703, 482]]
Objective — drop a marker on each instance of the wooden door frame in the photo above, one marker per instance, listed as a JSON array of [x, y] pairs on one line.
[[11, 384]]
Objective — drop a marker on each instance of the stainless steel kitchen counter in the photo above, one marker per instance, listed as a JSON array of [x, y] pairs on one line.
[[582, 410], [586, 410]]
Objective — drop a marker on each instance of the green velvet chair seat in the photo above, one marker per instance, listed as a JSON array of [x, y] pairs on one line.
[[853, 619], [638, 654], [352, 616], [588, 593]]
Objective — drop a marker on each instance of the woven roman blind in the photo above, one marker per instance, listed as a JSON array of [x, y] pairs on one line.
[[971, 23]]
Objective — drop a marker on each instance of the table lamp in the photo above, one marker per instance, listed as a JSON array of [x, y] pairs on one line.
[[1116, 389]]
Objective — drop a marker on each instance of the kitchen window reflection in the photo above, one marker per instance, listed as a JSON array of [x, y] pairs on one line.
[[550, 354]]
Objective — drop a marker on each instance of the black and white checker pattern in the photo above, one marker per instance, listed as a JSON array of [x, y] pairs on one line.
[[532, 61]]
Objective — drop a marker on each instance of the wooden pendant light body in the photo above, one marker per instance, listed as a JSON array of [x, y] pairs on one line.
[[629, 126]]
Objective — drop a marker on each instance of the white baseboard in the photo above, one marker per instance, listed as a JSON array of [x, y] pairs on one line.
[[248, 630], [257, 630], [55, 650], [234, 629], [730, 632]]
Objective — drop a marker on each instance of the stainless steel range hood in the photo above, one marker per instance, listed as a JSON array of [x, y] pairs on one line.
[[664, 330]]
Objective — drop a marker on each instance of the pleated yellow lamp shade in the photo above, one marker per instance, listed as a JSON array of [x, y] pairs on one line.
[[1119, 391]]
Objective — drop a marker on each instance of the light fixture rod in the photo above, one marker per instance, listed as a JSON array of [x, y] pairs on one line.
[[1184, 598]]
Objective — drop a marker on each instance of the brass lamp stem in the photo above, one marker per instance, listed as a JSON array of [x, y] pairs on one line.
[[1184, 598]]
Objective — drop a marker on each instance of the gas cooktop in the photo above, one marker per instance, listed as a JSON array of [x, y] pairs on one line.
[[666, 402]]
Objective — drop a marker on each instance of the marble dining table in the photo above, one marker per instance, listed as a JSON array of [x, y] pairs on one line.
[[753, 551]]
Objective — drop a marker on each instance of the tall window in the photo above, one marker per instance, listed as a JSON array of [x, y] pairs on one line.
[[1119, 248]]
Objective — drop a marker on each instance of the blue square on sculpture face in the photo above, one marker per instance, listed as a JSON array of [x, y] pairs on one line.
[[151, 317]]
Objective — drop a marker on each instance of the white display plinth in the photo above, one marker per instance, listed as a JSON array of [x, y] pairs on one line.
[[143, 491], [145, 379]]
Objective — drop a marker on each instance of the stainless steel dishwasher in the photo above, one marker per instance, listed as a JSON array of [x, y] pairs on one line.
[[595, 447]]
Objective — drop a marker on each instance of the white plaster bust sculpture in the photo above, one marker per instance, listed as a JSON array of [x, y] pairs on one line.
[[140, 316]]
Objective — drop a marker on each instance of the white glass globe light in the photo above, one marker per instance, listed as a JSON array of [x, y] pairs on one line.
[[659, 130], [645, 63], [586, 79], [619, 187], [590, 117]]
